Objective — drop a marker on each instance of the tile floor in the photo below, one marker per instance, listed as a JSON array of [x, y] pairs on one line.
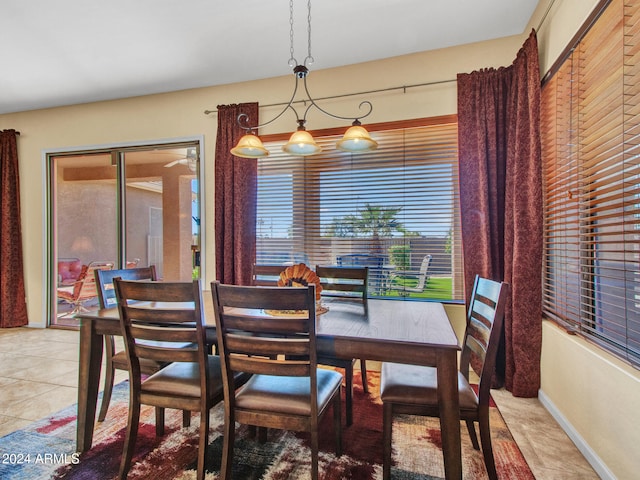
[[39, 376]]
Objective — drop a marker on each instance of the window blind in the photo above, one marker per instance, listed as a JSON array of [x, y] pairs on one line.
[[590, 138], [387, 209]]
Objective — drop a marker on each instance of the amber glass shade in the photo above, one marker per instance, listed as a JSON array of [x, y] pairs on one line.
[[301, 143], [357, 139], [250, 146]]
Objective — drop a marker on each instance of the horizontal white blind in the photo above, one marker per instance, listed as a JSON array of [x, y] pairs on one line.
[[590, 138], [387, 209]]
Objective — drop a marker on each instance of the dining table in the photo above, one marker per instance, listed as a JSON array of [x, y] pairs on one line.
[[401, 331]]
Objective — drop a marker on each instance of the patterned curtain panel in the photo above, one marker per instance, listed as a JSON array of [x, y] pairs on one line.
[[235, 199], [501, 202], [13, 305]]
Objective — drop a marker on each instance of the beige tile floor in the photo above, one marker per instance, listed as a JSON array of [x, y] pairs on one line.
[[39, 376]]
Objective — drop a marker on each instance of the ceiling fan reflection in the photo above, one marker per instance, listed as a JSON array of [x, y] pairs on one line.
[[191, 160]]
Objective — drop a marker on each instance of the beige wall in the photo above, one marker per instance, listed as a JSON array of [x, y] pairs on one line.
[[594, 396]]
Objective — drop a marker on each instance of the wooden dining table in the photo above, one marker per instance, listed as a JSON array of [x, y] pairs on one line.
[[387, 330]]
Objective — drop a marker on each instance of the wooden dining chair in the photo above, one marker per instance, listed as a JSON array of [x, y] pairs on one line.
[[169, 313], [413, 390], [267, 275], [84, 289], [287, 390], [346, 283], [118, 360]]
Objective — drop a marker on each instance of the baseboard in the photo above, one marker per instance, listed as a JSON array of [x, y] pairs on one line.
[[592, 457]]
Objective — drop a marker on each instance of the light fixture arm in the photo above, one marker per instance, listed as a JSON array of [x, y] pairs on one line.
[[243, 118], [314, 104], [301, 72]]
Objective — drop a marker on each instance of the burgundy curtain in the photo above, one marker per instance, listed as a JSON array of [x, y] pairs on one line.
[[235, 199], [13, 304], [501, 202]]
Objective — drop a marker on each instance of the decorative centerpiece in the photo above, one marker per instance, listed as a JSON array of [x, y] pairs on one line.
[[300, 275]]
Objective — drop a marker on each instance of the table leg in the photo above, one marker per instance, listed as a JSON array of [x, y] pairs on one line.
[[449, 413], [88, 381]]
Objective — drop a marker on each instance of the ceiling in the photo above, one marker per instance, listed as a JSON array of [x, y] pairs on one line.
[[66, 52]]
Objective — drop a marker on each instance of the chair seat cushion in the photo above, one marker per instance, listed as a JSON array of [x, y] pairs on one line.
[[418, 385], [289, 395], [182, 379]]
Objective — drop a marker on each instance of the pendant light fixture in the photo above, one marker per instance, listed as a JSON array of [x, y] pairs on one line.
[[301, 143]]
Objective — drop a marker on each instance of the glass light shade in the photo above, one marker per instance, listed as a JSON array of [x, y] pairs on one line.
[[357, 139], [301, 143], [250, 146]]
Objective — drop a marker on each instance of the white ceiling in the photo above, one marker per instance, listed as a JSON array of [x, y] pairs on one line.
[[62, 52]]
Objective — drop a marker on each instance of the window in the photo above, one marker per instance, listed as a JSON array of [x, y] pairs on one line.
[[387, 209], [590, 140]]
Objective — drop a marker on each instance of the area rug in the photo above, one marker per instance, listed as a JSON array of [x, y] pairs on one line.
[[46, 449]]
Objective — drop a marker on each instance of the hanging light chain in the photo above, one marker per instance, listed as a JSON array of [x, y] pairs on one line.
[[292, 61], [309, 60]]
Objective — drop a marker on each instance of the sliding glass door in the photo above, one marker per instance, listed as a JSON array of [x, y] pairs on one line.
[[121, 208]]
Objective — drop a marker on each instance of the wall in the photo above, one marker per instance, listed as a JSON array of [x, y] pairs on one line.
[[594, 396]]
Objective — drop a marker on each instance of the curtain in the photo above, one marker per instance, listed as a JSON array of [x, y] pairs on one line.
[[13, 304], [501, 203], [235, 199]]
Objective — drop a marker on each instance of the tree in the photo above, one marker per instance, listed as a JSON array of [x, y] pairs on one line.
[[375, 221]]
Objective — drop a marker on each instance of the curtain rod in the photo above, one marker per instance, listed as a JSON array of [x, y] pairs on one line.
[[15, 131], [404, 88]]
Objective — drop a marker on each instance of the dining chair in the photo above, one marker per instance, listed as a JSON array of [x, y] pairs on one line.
[[346, 283], [84, 287], [421, 277], [267, 275], [375, 263], [170, 314], [118, 360], [269, 332], [413, 390]]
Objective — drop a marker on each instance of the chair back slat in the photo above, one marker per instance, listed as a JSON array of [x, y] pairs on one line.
[[481, 329], [266, 366], [160, 354], [264, 298], [276, 324], [267, 275], [175, 334], [149, 312], [343, 280], [256, 345], [476, 347], [104, 281]]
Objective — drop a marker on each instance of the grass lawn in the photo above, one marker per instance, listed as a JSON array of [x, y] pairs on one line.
[[437, 288]]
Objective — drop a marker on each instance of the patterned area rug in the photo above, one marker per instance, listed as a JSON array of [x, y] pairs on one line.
[[45, 450]]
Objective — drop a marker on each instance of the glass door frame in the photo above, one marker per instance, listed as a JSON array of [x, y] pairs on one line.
[[117, 150]]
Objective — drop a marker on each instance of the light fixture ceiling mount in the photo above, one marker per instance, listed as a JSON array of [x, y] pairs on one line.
[[355, 140]]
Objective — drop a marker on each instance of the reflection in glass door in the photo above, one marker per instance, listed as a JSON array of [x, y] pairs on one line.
[[120, 209], [161, 185]]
